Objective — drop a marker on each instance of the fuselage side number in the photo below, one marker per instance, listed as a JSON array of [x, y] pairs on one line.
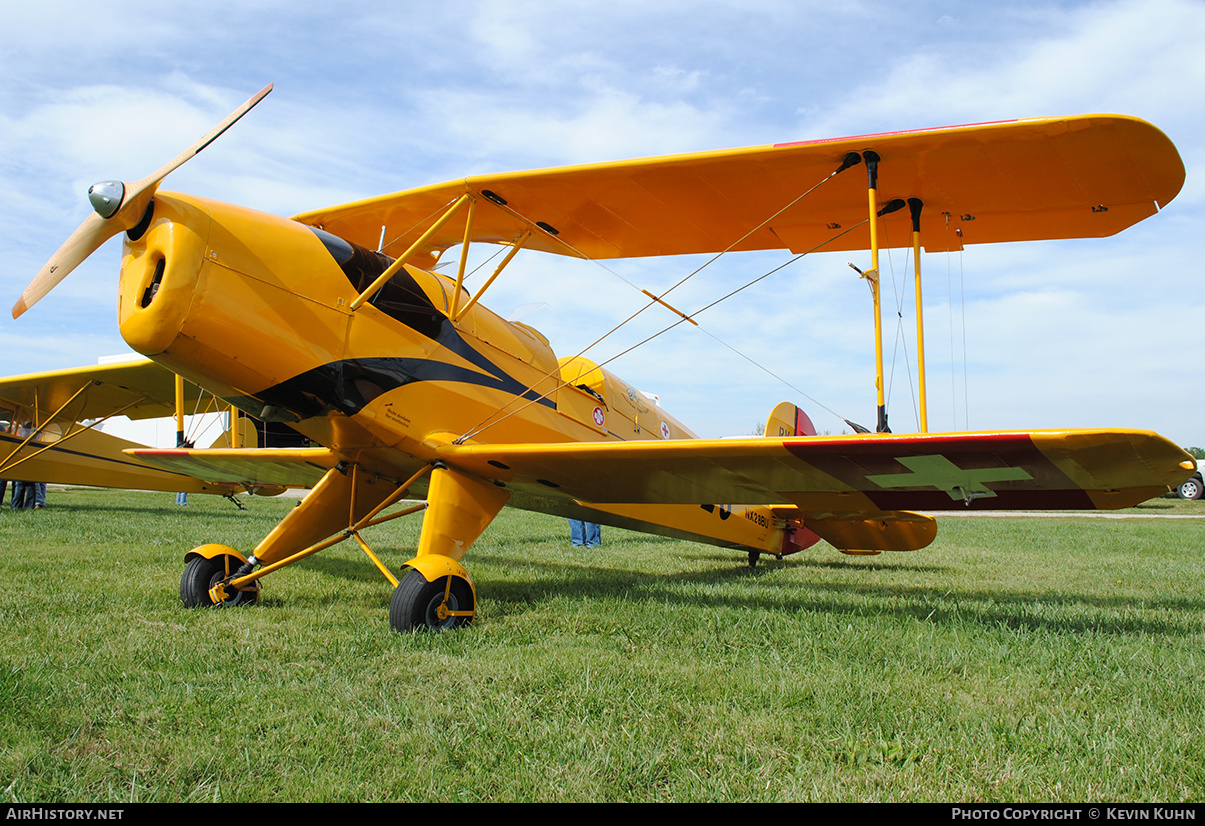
[[756, 517]]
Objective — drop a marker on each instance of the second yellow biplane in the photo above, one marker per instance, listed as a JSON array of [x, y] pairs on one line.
[[51, 427], [415, 390]]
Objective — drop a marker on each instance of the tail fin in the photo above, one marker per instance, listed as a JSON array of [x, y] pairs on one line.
[[788, 420]]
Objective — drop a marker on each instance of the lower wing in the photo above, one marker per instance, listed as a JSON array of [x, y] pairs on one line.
[[848, 475], [253, 468]]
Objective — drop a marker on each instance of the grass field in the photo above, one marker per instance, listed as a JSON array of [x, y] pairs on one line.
[[1015, 659]]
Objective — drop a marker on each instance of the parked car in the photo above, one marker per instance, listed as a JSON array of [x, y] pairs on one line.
[[1194, 487]]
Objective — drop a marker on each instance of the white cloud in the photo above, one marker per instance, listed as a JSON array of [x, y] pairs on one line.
[[1133, 57]]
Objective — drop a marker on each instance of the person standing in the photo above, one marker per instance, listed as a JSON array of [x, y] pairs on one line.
[[24, 495], [587, 534]]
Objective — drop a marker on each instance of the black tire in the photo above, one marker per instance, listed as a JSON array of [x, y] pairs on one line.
[[416, 602], [201, 574], [1192, 489]]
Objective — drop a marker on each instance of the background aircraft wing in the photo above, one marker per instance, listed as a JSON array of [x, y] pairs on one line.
[[90, 457], [1074, 177], [68, 452], [140, 389], [847, 475]]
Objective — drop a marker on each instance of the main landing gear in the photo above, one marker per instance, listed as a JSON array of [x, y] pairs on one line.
[[436, 606], [201, 573], [435, 592]]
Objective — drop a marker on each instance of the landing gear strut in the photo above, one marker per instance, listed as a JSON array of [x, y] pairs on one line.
[[435, 592]]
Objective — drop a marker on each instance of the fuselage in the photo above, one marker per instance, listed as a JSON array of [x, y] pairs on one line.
[[257, 309]]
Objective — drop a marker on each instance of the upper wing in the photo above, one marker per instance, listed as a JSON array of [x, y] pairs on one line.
[[1084, 176], [873, 474], [139, 389]]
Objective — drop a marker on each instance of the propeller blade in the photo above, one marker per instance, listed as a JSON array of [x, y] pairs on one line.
[[86, 240], [188, 154], [135, 199]]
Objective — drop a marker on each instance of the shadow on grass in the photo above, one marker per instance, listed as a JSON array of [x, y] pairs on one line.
[[167, 509], [548, 569], [767, 591], [1018, 610]]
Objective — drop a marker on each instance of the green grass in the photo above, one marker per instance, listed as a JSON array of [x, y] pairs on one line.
[[1015, 659]]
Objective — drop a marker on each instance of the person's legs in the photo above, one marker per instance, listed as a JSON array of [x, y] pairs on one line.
[[22, 491]]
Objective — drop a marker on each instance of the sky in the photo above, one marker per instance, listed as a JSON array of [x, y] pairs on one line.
[[377, 97]]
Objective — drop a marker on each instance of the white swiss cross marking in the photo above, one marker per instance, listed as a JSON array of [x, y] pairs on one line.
[[939, 472], [599, 418]]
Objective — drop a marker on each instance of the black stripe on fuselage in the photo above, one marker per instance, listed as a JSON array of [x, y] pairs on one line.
[[348, 385]]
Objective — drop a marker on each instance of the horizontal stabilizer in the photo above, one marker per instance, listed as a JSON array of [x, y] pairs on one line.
[[897, 531]]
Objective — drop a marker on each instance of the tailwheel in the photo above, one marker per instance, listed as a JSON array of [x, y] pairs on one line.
[[434, 606], [753, 557], [201, 574]]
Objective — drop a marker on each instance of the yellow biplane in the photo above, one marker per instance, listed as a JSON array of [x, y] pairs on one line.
[[416, 391]]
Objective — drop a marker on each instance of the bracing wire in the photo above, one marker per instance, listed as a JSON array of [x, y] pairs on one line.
[[199, 427], [486, 423]]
